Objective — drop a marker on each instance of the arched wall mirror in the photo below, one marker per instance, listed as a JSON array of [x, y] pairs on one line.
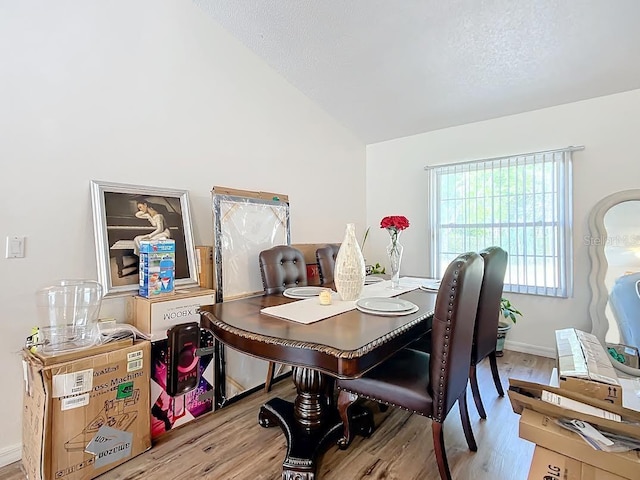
[[614, 249]]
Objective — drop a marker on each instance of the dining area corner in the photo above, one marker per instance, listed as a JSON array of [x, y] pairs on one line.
[[364, 348]]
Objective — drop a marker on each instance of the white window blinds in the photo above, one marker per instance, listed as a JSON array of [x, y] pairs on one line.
[[521, 203]]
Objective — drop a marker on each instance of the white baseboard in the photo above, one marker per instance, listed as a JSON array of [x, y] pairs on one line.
[[531, 349], [10, 454]]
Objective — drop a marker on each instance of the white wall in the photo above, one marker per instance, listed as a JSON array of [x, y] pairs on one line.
[[608, 127], [145, 92]]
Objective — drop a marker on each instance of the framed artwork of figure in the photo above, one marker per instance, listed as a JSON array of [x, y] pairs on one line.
[[123, 216]]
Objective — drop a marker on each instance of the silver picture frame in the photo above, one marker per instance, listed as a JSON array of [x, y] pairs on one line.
[[117, 231]]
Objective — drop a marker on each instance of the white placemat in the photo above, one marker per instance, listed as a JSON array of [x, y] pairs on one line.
[[310, 311], [431, 284]]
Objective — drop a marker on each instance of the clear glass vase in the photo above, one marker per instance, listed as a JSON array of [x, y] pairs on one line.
[[394, 250], [349, 271]]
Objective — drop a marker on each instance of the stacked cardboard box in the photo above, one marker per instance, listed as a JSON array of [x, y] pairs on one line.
[[625, 354], [204, 259], [585, 367], [171, 411], [547, 465], [85, 412], [155, 316], [586, 399]]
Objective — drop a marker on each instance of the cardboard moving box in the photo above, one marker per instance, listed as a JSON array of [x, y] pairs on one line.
[[155, 315], [68, 356], [547, 465], [84, 417], [528, 395], [585, 367], [630, 399], [626, 354], [205, 266], [168, 411], [543, 431]]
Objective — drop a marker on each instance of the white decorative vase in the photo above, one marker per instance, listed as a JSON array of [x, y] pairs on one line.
[[349, 271]]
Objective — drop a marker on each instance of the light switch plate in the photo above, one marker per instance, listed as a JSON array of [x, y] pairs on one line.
[[15, 246]]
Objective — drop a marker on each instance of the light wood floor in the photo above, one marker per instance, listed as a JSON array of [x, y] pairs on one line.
[[230, 445]]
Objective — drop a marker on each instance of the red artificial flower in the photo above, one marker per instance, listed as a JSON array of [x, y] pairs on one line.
[[395, 222]]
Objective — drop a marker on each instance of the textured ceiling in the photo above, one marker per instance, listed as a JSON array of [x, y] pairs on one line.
[[391, 68]]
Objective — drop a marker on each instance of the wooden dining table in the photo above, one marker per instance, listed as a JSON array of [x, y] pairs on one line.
[[342, 346]]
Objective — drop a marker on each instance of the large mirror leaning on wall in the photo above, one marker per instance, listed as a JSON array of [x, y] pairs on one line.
[[614, 250]]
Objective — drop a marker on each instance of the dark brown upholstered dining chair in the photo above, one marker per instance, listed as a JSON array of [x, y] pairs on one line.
[[486, 329], [487, 318], [326, 257], [423, 383], [281, 267]]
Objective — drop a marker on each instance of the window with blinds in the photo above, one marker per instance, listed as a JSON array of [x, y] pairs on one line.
[[521, 203]]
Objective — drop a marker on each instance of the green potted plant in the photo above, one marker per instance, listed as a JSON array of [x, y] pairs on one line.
[[375, 269], [509, 312]]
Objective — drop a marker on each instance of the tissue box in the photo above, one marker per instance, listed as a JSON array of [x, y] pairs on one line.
[[157, 267]]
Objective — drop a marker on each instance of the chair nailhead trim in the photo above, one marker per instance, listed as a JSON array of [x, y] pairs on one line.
[[445, 352], [445, 346], [377, 400]]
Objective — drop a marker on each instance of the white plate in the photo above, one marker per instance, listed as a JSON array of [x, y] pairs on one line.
[[369, 280], [303, 292], [388, 314], [431, 286], [382, 304]]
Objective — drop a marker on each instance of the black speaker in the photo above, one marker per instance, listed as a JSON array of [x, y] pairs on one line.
[[183, 373]]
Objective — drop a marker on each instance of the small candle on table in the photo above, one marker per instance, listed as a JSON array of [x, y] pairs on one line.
[[325, 297]]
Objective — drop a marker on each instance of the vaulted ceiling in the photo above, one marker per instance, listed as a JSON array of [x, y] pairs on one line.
[[391, 68]]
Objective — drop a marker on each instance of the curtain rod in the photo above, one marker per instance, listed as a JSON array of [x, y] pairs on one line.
[[566, 149]]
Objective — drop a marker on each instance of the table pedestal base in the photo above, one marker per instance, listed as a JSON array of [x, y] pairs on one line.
[[303, 445]]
